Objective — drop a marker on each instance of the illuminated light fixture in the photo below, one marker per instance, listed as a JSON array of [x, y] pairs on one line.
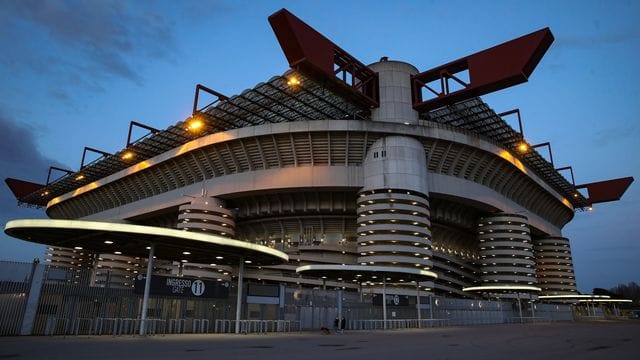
[[78, 247], [79, 177], [45, 193], [108, 242], [117, 252], [186, 253], [523, 147], [247, 261], [575, 195], [148, 248], [184, 260], [219, 257], [128, 155], [293, 81], [195, 124], [590, 208]]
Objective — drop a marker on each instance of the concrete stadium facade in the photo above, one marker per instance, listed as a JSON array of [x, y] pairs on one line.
[[391, 189]]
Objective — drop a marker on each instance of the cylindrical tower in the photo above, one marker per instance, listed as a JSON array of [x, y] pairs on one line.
[[506, 251], [394, 225], [395, 92], [207, 215], [554, 266]]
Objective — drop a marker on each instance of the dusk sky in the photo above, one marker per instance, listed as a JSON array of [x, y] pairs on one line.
[[74, 73]]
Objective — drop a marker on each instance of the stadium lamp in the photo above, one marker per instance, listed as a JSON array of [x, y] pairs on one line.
[[293, 81], [128, 155], [523, 147], [195, 124]]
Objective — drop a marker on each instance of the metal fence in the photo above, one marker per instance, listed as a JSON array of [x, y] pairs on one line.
[[42, 300]]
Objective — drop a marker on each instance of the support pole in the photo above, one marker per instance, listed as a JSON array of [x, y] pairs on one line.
[[431, 306], [519, 307], [533, 314], [418, 303], [239, 300], [147, 288], [384, 300], [340, 316]]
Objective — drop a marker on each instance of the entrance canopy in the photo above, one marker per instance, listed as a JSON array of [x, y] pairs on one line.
[[574, 298], [366, 273], [133, 240]]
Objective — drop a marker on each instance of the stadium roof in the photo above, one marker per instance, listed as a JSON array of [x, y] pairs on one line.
[[329, 83], [277, 101]]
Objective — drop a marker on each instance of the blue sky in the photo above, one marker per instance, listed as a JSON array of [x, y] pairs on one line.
[[74, 73]]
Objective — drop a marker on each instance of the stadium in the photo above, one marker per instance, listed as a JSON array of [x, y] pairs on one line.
[[370, 179]]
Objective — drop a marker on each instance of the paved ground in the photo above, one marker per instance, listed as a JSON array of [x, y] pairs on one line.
[[594, 340]]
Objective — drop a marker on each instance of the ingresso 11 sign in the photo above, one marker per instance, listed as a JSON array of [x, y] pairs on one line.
[[183, 287]]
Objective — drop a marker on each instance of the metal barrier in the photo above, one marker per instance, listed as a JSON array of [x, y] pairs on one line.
[[80, 324], [52, 325], [396, 324], [222, 326], [529, 320], [256, 326], [176, 326], [200, 326]]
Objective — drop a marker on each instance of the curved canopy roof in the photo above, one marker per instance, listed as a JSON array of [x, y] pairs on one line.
[[367, 273], [503, 288], [133, 240]]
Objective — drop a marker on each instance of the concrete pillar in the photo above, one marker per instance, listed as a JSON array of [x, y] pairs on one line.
[[394, 226], [207, 214], [395, 92]]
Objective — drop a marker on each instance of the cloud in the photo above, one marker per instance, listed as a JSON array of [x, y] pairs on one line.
[[19, 158], [93, 38], [18, 151]]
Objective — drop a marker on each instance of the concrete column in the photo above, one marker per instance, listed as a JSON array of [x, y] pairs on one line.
[[503, 231], [207, 214], [554, 266], [394, 226], [396, 104]]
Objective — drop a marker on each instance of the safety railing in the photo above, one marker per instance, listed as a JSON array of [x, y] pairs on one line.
[[396, 324], [256, 326], [529, 319]]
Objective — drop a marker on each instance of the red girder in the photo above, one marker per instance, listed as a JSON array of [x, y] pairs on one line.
[[608, 190], [490, 70], [21, 188], [309, 51]]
